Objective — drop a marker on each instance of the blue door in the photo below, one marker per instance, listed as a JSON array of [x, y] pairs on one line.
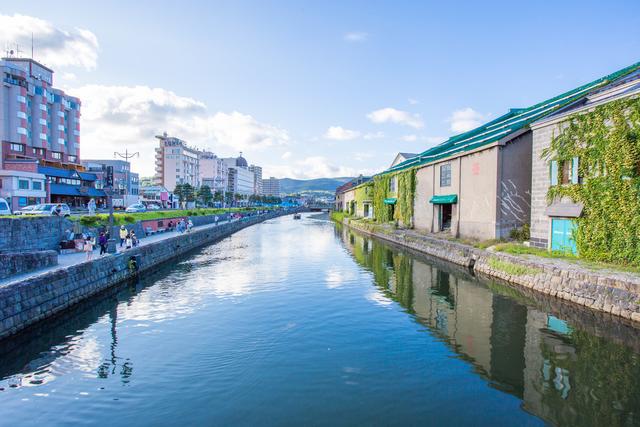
[[562, 235]]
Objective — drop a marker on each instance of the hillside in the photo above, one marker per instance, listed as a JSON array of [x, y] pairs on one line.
[[289, 185]]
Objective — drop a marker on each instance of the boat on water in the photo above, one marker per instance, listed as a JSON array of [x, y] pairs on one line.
[[297, 216]]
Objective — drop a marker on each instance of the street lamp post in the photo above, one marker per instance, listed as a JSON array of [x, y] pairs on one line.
[[111, 243]]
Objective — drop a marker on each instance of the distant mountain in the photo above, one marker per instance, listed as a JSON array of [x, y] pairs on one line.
[[288, 185]]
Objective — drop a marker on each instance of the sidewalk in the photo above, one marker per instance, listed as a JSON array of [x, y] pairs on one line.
[[66, 260]]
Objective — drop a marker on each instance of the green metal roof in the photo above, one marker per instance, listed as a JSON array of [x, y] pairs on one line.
[[510, 123], [443, 200]]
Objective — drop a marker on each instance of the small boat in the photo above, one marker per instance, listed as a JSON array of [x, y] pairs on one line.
[[297, 216]]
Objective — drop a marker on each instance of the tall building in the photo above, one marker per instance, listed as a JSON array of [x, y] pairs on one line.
[[241, 179], [176, 163], [126, 184], [40, 135], [257, 179], [271, 187], [213, 171]]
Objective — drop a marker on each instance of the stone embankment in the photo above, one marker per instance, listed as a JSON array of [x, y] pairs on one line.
[[41, 296], [604, 291]]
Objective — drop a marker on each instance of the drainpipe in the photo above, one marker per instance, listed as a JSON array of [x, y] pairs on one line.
[[459, 196]]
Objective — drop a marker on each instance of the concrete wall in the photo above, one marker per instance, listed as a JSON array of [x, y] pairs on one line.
[[540, 183], [473, 180], [348, 196], [22, 262], [514, 186], [32, 234], [26, 302]]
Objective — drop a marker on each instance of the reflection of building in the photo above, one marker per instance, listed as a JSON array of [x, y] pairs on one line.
[[271, 187], [176, 163], [241, 179], [257, 179], [125, 183]]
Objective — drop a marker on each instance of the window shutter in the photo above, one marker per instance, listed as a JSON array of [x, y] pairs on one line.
[[574, 170], [553, 170]]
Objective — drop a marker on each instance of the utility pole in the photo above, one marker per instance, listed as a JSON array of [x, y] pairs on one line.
[[126, 156]]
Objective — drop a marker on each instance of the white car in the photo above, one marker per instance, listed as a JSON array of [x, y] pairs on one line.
[[136, 207], [153, 207], [4, 207], [50, 209], [25, 210]]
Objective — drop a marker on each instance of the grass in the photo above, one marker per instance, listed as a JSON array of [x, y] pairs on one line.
[[130, 218], [338, 216], [510, 268]]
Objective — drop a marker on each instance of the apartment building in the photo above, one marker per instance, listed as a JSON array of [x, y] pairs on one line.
[[271, 187], [176, 163], [257, 179], [241, 179], [213, 171]]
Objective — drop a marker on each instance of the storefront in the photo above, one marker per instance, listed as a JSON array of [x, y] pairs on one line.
[[72, 187]]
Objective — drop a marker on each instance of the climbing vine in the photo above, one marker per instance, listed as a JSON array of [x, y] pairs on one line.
[[607, 143], [405, 193]]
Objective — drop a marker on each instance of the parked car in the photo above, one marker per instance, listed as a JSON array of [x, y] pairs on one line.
[[153, 207], [49, 209], [4, 207], [25, 210], [136, 207]]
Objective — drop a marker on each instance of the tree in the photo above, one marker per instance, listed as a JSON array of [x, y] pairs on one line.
[[189, 192], [204, 195], [218, 196], [179, 191]]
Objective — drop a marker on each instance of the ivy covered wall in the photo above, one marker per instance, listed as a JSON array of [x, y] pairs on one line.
[[404, 193], [605, 143]]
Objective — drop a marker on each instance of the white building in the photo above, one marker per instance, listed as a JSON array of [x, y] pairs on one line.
[[241, 179], [213, 171], [257, 179], [22, 189], [271, 187], [176, 163]]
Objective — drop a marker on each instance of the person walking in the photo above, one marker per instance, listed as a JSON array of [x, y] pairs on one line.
[[189, 226], [215, 219], [91, 207], [128, 241], [102, 241], [123, 234], [134, 238], [88, 248]]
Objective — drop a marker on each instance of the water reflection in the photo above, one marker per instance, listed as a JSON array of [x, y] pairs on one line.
[[561, 370]]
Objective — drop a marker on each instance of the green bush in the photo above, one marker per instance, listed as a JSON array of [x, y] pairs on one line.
[[521, 234]]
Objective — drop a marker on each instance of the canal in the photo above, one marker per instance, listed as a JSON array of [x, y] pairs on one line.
[[308, 323]]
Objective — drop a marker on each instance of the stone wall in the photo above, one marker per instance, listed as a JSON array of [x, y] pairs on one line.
[[41, 296], [22, 262], [32, 233], [603, 291]]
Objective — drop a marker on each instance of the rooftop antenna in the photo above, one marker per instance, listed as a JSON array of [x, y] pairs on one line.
[[32, 45], [18, 51]]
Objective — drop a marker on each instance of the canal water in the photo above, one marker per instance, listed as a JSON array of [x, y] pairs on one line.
[[307, 323]]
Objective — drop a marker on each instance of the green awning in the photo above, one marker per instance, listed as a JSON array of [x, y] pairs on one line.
[[390, 201], [444, 200]]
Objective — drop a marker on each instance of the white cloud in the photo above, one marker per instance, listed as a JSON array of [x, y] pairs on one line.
[[409, 138], [115, 117], [286, 155], [356, 36], [314, 167], [413, 101], [53, 46], [391, 115], [68, 76], [465, 119], [338, 133]]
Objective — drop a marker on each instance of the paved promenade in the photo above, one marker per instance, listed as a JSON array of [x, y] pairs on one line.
[[69, 259]]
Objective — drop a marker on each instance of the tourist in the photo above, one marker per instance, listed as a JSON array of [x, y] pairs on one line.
[[58, 210], [189, 226], [102, 241], [128, 241], [123, 234], [215, 220], [134, 238], [88, 248], [170, 226]]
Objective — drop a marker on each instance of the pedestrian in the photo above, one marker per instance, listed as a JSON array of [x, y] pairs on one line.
[[91, 206], [128, 241], [88, 248], [102, 241], [170, 225], [134, 238], [215, 219], [58, 210], [189, 225], [123, 234]]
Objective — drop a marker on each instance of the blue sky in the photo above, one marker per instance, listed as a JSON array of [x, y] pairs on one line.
[[310, 89]]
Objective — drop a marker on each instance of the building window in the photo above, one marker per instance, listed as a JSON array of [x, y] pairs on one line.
[[17, 147], [22, 201], [23, 184], [38, 151], [36, 185], [445, 175], [56, 155], [392, 184], [72, 159]]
